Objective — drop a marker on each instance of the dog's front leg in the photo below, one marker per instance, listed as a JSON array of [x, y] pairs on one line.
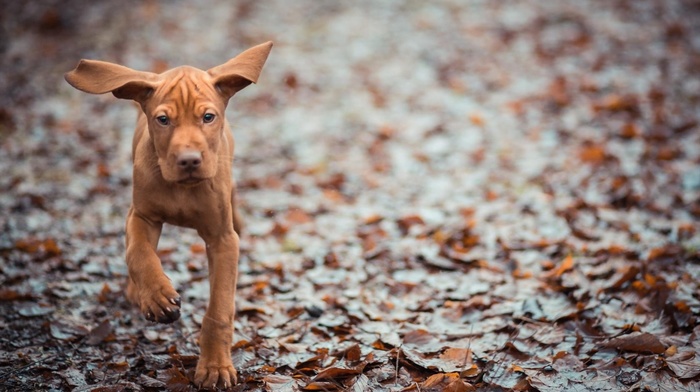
[[215, 368], [148, 286]]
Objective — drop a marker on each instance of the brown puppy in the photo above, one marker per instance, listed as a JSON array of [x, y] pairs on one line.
[[183, 153]]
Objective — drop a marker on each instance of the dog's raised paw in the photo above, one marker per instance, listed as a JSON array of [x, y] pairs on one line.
[[162, 306], [215, 377], [158, 303], [162, 314]]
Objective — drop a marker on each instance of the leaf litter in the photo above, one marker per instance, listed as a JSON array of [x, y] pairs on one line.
[[474, 195]]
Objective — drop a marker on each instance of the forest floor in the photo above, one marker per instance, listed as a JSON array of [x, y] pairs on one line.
[[439, 196]]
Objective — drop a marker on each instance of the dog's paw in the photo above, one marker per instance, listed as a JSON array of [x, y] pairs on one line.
[[215, 376], [160, 311], [158, 303]]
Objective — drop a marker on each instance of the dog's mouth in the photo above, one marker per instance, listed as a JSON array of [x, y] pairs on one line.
[[190, 181]]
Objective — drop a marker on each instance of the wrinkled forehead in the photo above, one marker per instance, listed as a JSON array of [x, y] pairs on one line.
[[185, 88]]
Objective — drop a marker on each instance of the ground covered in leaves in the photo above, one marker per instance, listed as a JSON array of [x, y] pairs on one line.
[[440, 196]]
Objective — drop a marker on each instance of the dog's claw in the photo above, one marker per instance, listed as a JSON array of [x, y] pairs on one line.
[[169, 316], [219, 377]]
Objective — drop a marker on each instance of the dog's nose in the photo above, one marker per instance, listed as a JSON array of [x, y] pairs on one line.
[[189, 160]]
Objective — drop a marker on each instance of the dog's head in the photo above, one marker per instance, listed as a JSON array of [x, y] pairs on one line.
[[184, 106]]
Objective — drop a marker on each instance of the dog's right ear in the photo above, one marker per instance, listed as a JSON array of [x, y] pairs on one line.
[[99, 77]]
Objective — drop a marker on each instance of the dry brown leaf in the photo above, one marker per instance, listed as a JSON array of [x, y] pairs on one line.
[[321, 386], [407, 222], [456, 359], [592, 153], [297, 216], [175, 380], [446, 382], [198, 248], [629, 131], [566, 265], [477, 119], [340, 371]]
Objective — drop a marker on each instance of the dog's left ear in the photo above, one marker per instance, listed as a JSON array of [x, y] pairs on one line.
[[240, 71]]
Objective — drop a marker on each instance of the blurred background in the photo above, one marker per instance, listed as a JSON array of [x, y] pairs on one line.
[[402, 104]]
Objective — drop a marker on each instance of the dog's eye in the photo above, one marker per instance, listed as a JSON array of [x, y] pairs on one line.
[[208, 118], [163, 120]]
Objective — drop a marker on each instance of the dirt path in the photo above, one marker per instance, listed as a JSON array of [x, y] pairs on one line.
[[439, 196]]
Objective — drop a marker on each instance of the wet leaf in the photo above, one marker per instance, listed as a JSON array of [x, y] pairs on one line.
[[456, 359], [279, 383], [448, 382], [150, 382], [63, 331], [74, 377], [34, 310], [341, 370], [423, 340], [684, 364], [661, 381], [637, 342], [503, 376], [12, 295], [98, 334], [360, 384], [321, 386], [175, 380]]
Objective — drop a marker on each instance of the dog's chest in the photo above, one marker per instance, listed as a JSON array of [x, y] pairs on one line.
[[186, 207], [182, 216]]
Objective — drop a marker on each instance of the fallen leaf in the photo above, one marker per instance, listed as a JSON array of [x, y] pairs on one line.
[[297, 216], [446, 382], [684, 364], [321, 386], [566, 265], [150, 382], [175, 380], [63, 331], [30, 309], [98, 334], [637, 342], [198, 248], [74, 377], [592, 153], [340, 371], [360, 384], [279, 383], [456, 359]]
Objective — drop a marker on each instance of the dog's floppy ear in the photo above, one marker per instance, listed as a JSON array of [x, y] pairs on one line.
[[240, 71], [99, 77]]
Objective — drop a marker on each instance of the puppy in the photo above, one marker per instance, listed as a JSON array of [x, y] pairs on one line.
[[183, 155]]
